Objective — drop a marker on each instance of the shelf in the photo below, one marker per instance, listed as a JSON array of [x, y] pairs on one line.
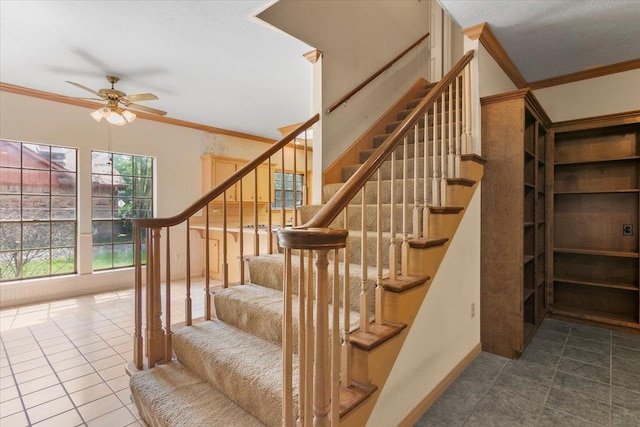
[[542, 162], [626, 287], [529, 153], [527, 293], [618, 191], [528, 185], [599, 316], [528, 259], [618, 254], [529, 224], [541, 284], [584, 162]]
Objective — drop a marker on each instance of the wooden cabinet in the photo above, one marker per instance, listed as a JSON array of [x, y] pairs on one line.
[[514, 228], [216, 169], [596, 188]]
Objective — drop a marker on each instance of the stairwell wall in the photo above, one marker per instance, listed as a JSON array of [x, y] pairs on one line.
[[356, 39]]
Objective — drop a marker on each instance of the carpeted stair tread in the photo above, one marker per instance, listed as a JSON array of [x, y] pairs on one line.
[[171, 395], [258, 310], [246, 368]]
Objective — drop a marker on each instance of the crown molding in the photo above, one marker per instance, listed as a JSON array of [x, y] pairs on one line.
[[587, 74], [6, 87], [483, 33], [615, 119], [313, 56]]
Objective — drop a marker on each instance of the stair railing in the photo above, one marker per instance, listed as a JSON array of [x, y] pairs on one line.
[[155, 343], [444, 116]]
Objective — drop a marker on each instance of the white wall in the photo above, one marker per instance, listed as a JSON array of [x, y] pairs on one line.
[[614, 93], [176, 151], [356, 37], [444, 331]]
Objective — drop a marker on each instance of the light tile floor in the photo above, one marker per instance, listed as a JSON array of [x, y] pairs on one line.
[[62, 363], [569, 375]]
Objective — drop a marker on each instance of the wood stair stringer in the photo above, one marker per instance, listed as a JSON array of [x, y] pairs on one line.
[[374, 366]]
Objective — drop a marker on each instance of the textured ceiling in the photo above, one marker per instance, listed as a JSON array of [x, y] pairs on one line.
[[550, 38], [209, 62]]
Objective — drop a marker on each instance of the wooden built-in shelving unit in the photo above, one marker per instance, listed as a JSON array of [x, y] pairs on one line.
[[596, 195], [514, 230]]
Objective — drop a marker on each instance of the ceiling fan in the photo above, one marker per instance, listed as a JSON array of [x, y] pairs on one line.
[[113, 111]]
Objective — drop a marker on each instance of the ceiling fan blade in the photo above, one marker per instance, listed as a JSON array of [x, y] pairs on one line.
[[85, 88], [146, 109], [140, 97]]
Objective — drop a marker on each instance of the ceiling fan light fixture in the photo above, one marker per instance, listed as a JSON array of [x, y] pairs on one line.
[[128, 115], [97, 115], [116, 118]]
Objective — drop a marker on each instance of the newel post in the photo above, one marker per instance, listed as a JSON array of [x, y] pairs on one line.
[[320, 240], [155, 332]]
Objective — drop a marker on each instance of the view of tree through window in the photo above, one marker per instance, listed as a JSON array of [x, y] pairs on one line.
[[37, 210], [121, 189], [285, 182]]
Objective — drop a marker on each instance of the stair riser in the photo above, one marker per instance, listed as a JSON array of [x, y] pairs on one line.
[[379, 139], [371, 189], [273, 277]]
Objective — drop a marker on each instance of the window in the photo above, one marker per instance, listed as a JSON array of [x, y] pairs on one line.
[[38, 223], [121, 189], [285, 182]]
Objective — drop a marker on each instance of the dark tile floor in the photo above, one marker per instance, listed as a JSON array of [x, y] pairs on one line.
[[569, 375]]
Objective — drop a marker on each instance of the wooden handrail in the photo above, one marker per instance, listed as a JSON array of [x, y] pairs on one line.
[[336, 204], [346, 97], [227, 183]]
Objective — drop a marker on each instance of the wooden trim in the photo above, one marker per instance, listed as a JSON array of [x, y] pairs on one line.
[[351, 156], [313, 56], [616, 119], [587, 74], [415, 414], [384, 68], [19, 90], [525, 93], [495, 49], [284, 130]]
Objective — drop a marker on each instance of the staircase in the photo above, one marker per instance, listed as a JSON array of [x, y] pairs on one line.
[[279, 349]]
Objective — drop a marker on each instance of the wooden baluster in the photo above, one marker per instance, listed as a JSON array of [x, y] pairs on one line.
[[287, 349], [310, 335], [335, 343], [138, 352], [321, 386], [393, 246], [379, 289], [156, 333], [364, 291], [283, 216], [225, 259], [425, 177], [451, 159], [457, 120], [443, 154], [468, 142], [416, 159], [168, 347], [435, 179], [207, 269], [346, 304], [256, 236], [463, 120], [188, 315], [295, 184], [404, 256], [269, 219], [241, 231], [149, 301], [302, 338], [306, 171]]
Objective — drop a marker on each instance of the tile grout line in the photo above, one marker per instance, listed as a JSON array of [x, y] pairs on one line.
[[483, 395], [15, 382]]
